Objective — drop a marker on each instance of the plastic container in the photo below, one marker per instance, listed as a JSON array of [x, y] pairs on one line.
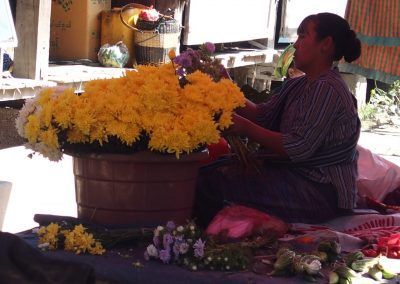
[[5, 192], [113, 30]]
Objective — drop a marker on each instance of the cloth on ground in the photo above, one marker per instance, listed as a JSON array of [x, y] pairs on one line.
[[21, 263], [352, 232]]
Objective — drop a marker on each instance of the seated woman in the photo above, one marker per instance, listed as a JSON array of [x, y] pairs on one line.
[[310, 131]]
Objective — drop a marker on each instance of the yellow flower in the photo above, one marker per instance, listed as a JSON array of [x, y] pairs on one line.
[[147, 105], [79, 241], [76, 240], [49, 235], [171, 54]]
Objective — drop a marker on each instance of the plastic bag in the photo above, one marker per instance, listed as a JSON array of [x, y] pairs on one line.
[[116, 55], [239, 222], [376, 176]]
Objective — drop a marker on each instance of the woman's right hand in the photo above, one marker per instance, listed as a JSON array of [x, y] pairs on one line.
[[239, 126]]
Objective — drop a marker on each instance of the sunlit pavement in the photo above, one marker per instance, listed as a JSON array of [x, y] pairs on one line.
[[385, 142], [38, 186]]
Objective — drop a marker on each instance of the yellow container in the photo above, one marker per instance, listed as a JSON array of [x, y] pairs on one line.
[[113, 29]]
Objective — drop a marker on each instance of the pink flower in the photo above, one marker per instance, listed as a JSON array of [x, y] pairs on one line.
[[149, 15]]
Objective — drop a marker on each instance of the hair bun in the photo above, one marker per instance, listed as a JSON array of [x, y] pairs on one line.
[[352, 47]]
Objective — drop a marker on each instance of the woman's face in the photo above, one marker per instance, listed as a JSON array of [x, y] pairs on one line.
[[307, 48]]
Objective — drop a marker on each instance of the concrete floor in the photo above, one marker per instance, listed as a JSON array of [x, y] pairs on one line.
[[384, 141], [38, 186], [41, 186]]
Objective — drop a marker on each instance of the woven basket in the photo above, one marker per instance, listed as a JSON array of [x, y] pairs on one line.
[[152, 45], [153, 39]]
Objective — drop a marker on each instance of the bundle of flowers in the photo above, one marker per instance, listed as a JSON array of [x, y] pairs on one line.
[[185, 245], [189, 247], [201, 60], [75, 239], [145, 109]]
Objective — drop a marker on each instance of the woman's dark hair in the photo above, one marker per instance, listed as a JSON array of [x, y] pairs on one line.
[[346, 43]]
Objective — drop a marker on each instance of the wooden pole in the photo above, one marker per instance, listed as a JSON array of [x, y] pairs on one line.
[[31, 57]]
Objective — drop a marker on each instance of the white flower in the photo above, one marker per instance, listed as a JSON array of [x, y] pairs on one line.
[[21, 120], [152, 251], [43, 246], [312, 267], [183, 248], [180, 229], [46, 151], [158, 230]]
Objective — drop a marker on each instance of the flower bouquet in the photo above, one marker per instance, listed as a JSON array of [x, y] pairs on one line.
[[187, 245], [202, 60], [146, 109]]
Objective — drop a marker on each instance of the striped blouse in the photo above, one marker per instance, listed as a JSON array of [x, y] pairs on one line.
[[318, 120]]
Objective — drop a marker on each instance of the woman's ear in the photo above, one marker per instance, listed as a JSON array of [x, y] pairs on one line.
[[328, 45], [290, 73]]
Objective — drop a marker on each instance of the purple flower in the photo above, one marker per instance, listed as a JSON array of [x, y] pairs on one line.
[[183, 248], [195, 54], [170, 226], [167, 240], [165, 255], [180, 72], [146, 255], [210, 47], [175, 248], [184, 60], [156, 241], [199, 248]]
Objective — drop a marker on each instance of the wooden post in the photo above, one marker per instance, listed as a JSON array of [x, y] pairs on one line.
[[31, 57]]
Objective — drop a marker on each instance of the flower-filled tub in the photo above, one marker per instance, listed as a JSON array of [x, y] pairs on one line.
[[170, 112]]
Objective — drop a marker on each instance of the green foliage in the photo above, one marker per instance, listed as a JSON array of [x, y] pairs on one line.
[[382, 107]]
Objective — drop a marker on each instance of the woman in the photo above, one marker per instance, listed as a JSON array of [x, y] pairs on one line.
[[309, 130]]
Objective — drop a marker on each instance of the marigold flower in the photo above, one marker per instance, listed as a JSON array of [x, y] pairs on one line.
[[150, 107], [171, 54]]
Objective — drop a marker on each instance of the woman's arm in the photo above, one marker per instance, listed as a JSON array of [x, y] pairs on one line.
[[249, 111], [268, 139]]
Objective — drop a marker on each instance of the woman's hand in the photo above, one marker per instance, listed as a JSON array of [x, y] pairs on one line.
[[268, 139], [239, 126]]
